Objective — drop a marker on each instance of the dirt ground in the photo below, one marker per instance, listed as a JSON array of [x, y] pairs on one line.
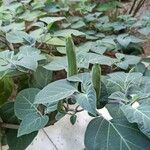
[[145, 9]]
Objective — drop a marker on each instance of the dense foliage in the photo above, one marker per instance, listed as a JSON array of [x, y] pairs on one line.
[[54, 54]]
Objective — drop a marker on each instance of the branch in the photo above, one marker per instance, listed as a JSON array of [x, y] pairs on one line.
[[8, 126], [9, 45], [132, 7], [138, 7]]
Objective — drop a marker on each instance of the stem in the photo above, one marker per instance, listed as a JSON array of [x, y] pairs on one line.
[[132, 7], [8, 126], [139, 5], [9, 45], [74, 111], [0, 138]]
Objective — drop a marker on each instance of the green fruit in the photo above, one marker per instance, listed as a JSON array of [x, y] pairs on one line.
[[96, 79], [71, 57]]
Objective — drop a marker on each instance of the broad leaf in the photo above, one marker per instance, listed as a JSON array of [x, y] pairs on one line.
[[84, 78], [32, 122], [116, 134], [50, 20], [41, 77], [58, 63], [118, 96], [24, 102], [19, 143], [88, 100], [7, 113], [140, 115], [125, 80], [19, 37], [54, 92], [125, 60], [68, 32]]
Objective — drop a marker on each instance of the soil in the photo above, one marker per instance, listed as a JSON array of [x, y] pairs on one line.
[[145, 9]]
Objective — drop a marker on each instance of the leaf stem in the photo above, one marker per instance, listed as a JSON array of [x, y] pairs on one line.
[[8, 126]]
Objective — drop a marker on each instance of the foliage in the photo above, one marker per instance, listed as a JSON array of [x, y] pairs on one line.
[[54, 54]]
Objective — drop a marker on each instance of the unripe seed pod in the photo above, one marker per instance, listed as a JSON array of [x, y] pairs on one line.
[[71, 57], [96, 79]]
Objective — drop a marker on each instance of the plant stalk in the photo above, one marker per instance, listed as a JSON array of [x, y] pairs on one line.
[[96, 79], [71, 57]]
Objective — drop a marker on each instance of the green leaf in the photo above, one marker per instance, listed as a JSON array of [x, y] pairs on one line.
[[92, 58], [125, 39], [55, 41], [118, 96], [68, 32], [140, 115], [30, 52], [84, 78], [31, 15], [73, 119], [7, 113], [125, 80], [54, 92], [20, 61], [58, 63], [78, 24], [32, 122], [51, 107], [116, 134], [50, 20], [19, 37], [109, 6], [115, 110], [13, 26], [19, 143], [28, 63], [6, 88], [24, 102], [124, 61], [145, 31], [41, 77], [88, 100]]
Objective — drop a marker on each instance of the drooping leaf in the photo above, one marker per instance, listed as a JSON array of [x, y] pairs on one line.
[[31, 15], [88, 100], [115, 134], [68, 32], [41, 77], [31, 52], [118, 96], [58, 63], [50, 20], [11, 61], [140, 115], [24, 102], [125, 80], [19, 143], [54, 92], [115, 110], [32, 122], [125, 60], [19, 37], [7, 113]]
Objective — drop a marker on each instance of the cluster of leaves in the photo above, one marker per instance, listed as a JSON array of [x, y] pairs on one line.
[[35, 57]]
